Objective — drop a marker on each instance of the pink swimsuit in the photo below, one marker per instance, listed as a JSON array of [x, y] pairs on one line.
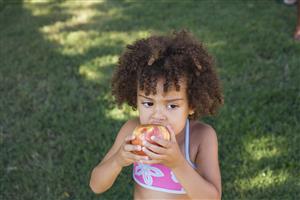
[[158, 176]]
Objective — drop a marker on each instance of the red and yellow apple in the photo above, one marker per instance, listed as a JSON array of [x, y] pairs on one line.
[[145, 132]]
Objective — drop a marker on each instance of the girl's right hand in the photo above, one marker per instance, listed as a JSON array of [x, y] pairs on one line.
[[125, 154]]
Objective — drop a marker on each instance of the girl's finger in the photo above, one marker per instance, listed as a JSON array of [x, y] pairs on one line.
[[130, 147], [129, 138], [152, 155], [138, 158], [159, 141], [155, 148]]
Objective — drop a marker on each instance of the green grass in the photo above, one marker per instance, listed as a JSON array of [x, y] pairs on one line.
[[57, 119]]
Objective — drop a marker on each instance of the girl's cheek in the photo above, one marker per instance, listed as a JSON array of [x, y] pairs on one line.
[[143, 117]]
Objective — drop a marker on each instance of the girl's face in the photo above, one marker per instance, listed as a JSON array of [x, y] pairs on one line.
[[170, 108]]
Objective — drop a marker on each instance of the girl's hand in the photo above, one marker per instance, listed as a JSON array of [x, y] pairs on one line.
[[125, 155], [168, 153]]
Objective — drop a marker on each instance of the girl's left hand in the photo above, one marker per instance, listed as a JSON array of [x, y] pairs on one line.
[[166, 152]]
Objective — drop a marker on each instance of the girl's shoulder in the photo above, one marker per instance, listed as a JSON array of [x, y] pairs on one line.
[[132, 123], [203, 145], [201, 132], [129, 126], [125, 131]]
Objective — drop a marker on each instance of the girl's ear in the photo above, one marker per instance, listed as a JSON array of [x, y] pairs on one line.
[[191, 111]]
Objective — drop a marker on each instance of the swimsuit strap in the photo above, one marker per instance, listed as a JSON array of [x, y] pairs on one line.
[[187, 144]]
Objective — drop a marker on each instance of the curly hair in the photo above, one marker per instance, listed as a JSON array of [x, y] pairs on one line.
[[171, 57]]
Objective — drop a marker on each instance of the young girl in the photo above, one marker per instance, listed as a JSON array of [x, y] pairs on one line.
[[171, 81]]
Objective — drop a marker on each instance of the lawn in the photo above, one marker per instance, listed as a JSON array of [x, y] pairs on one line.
[[57, 117]]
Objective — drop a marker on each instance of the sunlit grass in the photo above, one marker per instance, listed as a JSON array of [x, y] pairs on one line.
[[115, 112], [264, 179], [80, 42], [78, 9], [81, 17], [121, 114], [216, 44], [264, 147], [38, 9], [93, 70]]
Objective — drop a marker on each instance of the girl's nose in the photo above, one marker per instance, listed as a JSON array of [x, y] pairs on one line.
[[158, 115]]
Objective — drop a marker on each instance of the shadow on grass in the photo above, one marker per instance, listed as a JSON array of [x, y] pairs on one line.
[[58, 123]]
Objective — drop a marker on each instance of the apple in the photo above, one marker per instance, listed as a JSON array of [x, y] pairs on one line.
[[145, 132]]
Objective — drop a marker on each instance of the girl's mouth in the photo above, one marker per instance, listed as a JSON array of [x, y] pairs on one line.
[[157, 123]]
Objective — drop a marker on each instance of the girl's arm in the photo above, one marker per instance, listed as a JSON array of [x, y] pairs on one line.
[[105, 173], [205, 183]]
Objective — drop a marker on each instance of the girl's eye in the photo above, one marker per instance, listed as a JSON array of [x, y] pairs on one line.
[[147, 104], [172, 106]]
